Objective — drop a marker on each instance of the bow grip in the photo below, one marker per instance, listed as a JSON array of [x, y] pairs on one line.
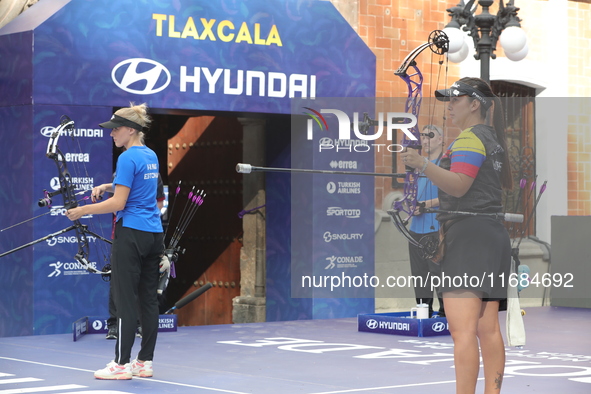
[[417, 147]]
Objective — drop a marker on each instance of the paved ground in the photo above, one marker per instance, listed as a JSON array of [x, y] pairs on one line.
[[308, 357]]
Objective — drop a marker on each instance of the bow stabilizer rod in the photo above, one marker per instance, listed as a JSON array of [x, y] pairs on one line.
[[243, 168], [507, 217], [181, 303]]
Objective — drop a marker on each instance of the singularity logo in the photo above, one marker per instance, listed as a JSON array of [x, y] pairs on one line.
[[316, 116]]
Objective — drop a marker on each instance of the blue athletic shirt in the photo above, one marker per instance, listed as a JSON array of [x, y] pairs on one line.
[[137, 168], [425, 222]]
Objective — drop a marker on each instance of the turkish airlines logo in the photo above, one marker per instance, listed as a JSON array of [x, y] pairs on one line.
[[331, 187], [141, 76]]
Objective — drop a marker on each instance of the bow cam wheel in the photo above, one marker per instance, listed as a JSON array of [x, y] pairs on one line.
[[438, 42], [429, 245], [106, 275]]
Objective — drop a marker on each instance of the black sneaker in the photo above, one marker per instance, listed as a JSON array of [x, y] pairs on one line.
[[112, 333], [138, 333]]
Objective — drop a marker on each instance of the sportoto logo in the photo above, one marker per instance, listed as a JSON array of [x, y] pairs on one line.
[[348, 213], [372, 324], [140, 76], [438, 327]]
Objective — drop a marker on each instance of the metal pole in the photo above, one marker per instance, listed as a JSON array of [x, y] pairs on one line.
[[484, 22], [484, 51]]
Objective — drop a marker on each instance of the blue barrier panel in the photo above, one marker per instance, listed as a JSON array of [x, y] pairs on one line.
[[400, 323]]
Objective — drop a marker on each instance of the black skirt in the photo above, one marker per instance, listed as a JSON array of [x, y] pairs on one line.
[[477, 257]]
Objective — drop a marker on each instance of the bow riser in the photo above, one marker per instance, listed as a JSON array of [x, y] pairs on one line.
[[438, 43]]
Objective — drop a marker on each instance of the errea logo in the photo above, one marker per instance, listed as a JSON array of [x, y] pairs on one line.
[[140, 76]]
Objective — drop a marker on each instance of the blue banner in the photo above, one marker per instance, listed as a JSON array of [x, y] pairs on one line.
[[400, 323], [241, 56], [337, 217], [64, 290], [16, 190]]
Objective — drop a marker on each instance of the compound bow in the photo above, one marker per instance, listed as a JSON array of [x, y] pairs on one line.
[[438, 43], [68, 191]]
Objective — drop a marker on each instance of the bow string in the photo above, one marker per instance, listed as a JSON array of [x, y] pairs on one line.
[[67, 189], [410, 73]]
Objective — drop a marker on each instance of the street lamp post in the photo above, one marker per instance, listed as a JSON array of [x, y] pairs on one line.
[[485, 29]]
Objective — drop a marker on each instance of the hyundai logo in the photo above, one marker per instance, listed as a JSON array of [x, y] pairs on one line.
[[47, 131], [438, 327], [372, 324], [140, 76]]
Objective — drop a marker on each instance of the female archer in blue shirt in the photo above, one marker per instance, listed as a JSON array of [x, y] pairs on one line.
[[138, 242]]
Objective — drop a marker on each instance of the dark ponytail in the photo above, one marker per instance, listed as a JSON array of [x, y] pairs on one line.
[[498, 125]]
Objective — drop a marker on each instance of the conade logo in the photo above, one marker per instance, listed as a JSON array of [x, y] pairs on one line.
[[141, 76]]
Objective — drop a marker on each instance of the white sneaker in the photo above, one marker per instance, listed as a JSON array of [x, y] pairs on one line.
[[143, 370], [114, 371]]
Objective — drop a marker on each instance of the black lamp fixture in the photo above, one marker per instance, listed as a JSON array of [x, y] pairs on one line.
[[485, 29]]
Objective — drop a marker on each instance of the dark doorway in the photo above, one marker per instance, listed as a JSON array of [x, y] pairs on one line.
[[202, 151]]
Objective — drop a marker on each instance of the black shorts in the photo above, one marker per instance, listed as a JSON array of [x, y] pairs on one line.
[[477, 257]]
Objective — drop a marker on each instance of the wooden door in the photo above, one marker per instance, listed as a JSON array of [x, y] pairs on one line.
[[202, 153]]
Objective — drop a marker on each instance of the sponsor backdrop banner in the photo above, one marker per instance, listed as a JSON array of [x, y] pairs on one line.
[[244, 56], [16, 198], [64, 291], [332, 214], [91, 56]]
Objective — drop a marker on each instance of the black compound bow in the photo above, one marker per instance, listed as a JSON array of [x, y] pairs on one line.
[[438, 43], [67, 190]]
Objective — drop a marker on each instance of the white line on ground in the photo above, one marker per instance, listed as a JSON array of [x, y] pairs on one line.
[[41, 389], [19, 380], [86, 370]]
